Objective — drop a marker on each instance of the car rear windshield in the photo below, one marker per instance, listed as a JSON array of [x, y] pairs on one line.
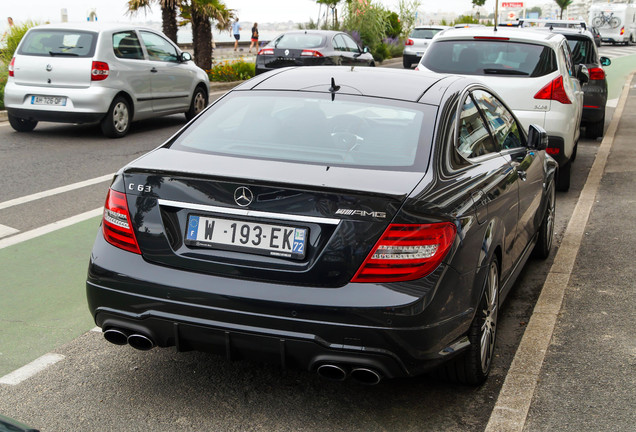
[[582, 50], [71, 43], [349, 131], [490, 57], [299, 41], [424, 33]]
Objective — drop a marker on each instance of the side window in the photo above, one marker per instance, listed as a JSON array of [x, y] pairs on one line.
[[567, 57], [126, 45], [339, 43], [352, 46], [474, 139], [501, 121], [159, 48]]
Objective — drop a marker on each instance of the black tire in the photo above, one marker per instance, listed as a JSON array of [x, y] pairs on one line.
[[563, 177], [198, 103], [596, 129], [116, 124], [546, 231], [406, 63], [21, 124], [473, 366]]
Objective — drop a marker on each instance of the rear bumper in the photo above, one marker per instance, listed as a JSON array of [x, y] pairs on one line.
[[189, 311], [55, 116]]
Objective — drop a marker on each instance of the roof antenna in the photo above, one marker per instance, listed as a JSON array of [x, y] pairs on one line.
[[333, 89]]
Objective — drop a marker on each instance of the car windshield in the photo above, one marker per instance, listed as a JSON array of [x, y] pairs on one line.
[[424, 33], [299, 41], [311, 127], [46, 42], [582, 50], [490, 57]]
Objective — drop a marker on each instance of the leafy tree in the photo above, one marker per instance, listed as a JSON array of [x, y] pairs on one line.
[[408, 13], [478, 2], [393, 25], [563, 4], [200, 14], [333, 4], [168, 14]]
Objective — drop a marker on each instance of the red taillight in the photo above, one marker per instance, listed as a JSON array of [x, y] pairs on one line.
[[596, 73], [12, 67], [622, 31], [116, 223], [311, 53], [554, 90], [490, 38], [409, 42], [417, 68], [99, 71], [266, 51], [552, 151], [407, 252]]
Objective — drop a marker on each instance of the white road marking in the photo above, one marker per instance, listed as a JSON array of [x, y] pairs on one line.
[[96, 329], [27, 371], [55, 191], [511, 410], [28, 235], [7, 230], [612, 103]]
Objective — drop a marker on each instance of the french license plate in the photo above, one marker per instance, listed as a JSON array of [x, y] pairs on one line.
[[258, 238], [48, 100]]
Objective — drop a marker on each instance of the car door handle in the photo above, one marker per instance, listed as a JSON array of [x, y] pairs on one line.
[[154, 70]]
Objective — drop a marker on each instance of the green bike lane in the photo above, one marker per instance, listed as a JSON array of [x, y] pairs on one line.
[[42, 280], [43, 293]]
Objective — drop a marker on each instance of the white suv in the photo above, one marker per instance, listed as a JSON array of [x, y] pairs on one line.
[[532, 71], [111, 74]]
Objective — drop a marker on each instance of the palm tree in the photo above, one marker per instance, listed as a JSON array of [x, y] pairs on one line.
[[168, 14], [200, 13], [333, 4], [563, 4]]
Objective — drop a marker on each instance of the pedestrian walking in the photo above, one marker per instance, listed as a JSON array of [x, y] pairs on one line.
[[254, 38], [236, 30], [8, 30]]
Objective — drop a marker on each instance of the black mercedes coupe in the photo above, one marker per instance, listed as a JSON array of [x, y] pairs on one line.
[[355, 222]]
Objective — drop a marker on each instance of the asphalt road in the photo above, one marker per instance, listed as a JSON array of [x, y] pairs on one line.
[[97, 386]]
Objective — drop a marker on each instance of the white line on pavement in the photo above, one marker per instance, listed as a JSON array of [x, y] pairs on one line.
[[27, 371], [28, 235], [55, 191], [512, 406], [7, 230]]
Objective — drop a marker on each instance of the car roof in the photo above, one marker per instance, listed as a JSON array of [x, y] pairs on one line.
[[424, 27], [314, 32], [513, 34], [94, 26], [547, 21], [359, 81], [569, 33]]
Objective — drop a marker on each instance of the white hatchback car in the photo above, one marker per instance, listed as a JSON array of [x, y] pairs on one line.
[[417, 42], [112, 74], [532, 71]]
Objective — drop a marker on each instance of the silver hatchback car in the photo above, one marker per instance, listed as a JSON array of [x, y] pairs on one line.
[[111, 74]]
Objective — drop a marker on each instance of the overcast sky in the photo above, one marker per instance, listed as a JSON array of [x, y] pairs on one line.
[[248, 10]]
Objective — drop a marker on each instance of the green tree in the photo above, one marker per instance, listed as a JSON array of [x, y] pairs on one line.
[[12, 40], [408, 14], [333, 5], [368, 20], [201, 13], [563, 4], [478, 2]]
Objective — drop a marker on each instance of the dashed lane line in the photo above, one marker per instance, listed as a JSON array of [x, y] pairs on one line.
[[31, 369], [28, 235], [55, 191], [512, 406], [7, 230]]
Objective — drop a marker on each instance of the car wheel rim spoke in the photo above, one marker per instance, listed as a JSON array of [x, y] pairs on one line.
[[489, 326], [120, 117]]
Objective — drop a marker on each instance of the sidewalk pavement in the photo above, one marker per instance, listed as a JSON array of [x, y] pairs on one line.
[[587, 379]]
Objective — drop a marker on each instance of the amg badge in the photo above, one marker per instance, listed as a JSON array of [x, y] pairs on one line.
[[351, 212]]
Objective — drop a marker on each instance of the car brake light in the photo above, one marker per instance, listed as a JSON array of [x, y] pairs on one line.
[[554, 90], [622, 31], [407, 252], [12, 67], [99, 71], [596, 73], [266, 51], [552, 151], [409, 42], [490, 38], [116, 223], [417, 68], [311, 53]]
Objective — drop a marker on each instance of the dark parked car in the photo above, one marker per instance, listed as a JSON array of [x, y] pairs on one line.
[[355, 222], [584, 52], [312, 48], [597, 36]]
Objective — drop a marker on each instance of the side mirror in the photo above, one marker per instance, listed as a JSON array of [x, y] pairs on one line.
[[537, 138], [184, 57], [581, 73], [605, 61], [365, 49]]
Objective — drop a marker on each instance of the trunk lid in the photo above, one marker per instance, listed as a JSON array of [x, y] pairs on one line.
[[337, 214]]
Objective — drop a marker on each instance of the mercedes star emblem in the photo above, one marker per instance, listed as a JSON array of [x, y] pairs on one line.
[[243, 196], [286, 52], [49, 68]]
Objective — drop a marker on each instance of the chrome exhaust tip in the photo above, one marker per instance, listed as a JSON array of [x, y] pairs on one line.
[[332, 372], [116, 336], [140, 342], [366, 376]]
